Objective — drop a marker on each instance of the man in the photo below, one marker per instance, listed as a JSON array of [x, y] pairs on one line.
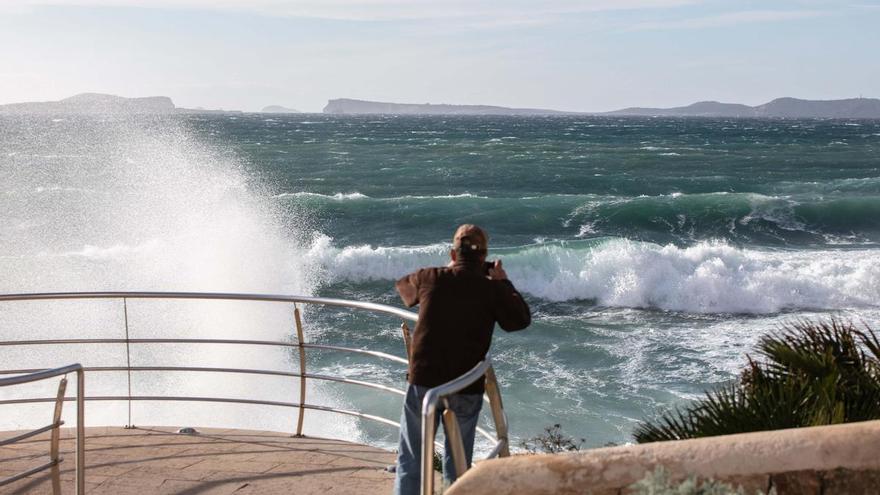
[[458, 307]]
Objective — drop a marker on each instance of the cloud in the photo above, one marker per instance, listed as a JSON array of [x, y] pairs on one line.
[[492, 11], [730, 19]]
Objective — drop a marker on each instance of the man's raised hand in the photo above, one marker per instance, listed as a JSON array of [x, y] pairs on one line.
[[497, 272]]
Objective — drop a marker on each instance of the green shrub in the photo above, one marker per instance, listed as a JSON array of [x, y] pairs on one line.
[[808, 374], [552, 441]]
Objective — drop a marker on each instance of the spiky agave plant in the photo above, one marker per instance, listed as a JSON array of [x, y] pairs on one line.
[[809, 373]]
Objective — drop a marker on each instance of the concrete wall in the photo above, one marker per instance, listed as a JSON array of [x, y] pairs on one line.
[[824, 460]]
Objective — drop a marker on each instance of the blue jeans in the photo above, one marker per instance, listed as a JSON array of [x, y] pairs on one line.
[[409, 453]]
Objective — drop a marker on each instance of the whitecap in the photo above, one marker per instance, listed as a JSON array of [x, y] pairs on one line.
[[710, 277], [336, 197]]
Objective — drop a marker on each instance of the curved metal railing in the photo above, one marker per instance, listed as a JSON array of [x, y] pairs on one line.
[[438, 394], [54, 455], [484, 368]]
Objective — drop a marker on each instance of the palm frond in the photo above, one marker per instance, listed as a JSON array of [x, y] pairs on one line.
[[809, 374]]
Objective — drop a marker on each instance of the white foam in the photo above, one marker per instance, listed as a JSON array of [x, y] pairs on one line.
[[443, 196], [365, 262], [335, 197], [586, 230], [710, 277], [358, 196]]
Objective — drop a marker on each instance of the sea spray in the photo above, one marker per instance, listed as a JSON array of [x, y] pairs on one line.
[[147, 205]]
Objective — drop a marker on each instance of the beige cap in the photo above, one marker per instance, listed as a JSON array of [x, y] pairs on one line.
[[470, 238]]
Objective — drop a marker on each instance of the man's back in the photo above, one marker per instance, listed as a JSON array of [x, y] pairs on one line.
[[458, 309]]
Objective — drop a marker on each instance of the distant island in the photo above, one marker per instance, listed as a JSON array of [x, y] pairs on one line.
[[853, 108], [94, 103], [104, 104], [101, 104], [278, 109], [345, 106]]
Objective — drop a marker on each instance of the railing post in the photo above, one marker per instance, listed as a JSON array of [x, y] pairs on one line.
[[129, 424], [56, 435], [80, 432], [498, 415], [453, 437], [302, 370], [407, 339], [429, 411]]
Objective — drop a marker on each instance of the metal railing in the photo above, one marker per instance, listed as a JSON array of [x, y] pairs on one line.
[[484, 368], [54, 454], [432, 399]]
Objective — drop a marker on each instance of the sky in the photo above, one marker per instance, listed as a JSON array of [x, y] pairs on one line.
[[578, 55]]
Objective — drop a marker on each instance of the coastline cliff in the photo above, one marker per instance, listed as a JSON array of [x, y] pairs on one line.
[[104, 104], [94, 103], [852, 108], [347, 106]]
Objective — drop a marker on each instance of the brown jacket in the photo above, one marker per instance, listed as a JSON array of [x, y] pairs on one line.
[[458, 309]]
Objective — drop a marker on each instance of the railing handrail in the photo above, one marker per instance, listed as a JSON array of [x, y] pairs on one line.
[[324, 301], [39, 375], [429, 410], [54, 458], [278, 343], [455, 385], [484, 368]]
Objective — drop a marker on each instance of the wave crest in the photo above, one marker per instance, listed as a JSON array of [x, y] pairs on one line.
[[710, 277]]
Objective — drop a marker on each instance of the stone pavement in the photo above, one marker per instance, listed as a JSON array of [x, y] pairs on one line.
[[149, 460]]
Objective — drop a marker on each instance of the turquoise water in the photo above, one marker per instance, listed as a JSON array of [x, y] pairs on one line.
[[654, 252]]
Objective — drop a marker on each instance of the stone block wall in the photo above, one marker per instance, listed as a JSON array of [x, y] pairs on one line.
[[823, 460]]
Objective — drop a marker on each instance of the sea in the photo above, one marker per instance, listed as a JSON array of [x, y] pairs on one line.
[[654, 253]]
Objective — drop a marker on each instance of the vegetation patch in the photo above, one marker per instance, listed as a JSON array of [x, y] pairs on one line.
[[807, 374], [552, 441]]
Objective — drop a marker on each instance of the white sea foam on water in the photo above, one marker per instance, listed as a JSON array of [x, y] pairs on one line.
[[709, 277], [335, 197], [586, 230], [358, 196], [365, 263], [443, 196]]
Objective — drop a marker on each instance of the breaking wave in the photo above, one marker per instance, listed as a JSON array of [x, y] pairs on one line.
[[709, 277]]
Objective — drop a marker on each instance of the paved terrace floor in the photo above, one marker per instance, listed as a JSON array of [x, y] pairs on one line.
[[215, 461]]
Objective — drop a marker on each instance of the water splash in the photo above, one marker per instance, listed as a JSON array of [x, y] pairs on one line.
[[94, 205]]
